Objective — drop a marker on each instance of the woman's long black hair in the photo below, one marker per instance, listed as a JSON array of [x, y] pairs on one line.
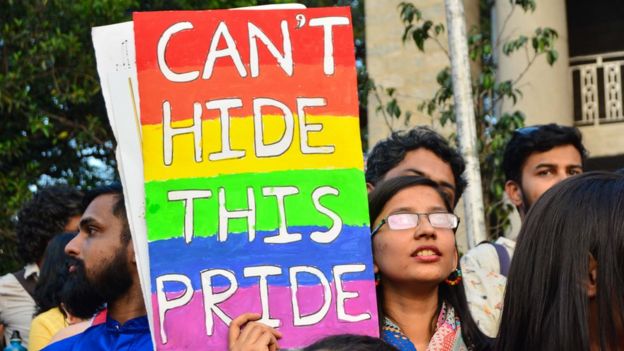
[[453, 295], [547, 303], [53, 274]]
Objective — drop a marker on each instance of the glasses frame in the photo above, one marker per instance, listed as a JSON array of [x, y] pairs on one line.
[[385, 221]]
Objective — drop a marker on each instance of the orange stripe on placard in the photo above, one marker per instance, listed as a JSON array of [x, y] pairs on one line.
[[339, 90]]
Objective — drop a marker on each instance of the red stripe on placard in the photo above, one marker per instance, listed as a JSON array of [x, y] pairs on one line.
[[189, 48]]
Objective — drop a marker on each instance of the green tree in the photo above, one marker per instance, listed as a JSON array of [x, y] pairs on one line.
[[54, 126], [494, 128]]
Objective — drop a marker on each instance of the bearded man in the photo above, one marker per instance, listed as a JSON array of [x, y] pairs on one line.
[[105, 259]]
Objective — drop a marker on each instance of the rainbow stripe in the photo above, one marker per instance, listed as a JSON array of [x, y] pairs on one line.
[[229, 183], [340, 132]]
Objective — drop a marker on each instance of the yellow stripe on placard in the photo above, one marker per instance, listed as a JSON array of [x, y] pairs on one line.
[[341, 132]]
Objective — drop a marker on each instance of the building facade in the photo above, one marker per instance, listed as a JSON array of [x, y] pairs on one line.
[[583, 88]]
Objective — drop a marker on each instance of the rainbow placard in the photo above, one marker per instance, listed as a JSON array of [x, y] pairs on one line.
[[254, 183]]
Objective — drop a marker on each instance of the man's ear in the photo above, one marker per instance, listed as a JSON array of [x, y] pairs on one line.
[[592, 279], [514, 192], [369, 187]]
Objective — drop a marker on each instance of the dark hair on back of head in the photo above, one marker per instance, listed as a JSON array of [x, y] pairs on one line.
[[350, 342], [388, 153], [453, 295], [119, 208], [44, 216], [54, 273], [539, 138], [546, 300]]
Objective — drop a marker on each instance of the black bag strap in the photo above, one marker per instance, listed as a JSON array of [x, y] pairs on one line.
[[27, 283]]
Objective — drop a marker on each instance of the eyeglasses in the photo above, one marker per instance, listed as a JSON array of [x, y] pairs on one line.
[[405, 220]]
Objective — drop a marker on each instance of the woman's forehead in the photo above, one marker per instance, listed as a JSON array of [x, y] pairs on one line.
[[416, 198]]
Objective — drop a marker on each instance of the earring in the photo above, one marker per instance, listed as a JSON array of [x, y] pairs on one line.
[[454, 278], [377, 279]]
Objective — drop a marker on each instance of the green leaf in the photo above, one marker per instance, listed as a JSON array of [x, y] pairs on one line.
[[552, 56]]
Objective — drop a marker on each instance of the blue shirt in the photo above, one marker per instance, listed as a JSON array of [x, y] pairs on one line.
[[134, 335]]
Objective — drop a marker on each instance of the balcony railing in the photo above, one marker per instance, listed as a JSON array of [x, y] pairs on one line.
[[598, 84]]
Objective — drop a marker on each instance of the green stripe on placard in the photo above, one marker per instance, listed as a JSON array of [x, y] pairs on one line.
[[165, 218]]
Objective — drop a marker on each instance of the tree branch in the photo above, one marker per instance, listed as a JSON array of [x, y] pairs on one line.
[[66, 122], [526, 69], [502, 31], [442, 47], [383, 112]]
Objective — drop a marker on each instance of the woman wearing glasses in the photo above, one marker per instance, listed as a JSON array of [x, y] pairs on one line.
[[420, 294]]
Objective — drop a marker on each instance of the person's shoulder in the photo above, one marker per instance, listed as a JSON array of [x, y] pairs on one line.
[[481, 252], [8, 280], [52, 317], [64, 344], [509, 244], [9, 285], [75, 341], [71, 330], [53, 312]]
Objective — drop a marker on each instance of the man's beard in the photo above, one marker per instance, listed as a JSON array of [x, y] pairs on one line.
[[526, 205], [83, 296]]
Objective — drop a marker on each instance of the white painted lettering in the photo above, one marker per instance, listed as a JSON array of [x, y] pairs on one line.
[[283, 236], [305, 128], [230, 50], [224, 106], [169, 132], [188, 196], [263, 272], [211, 299], [164, 304], [342, 295], [328, 39], [336, 228], [285, 61], [161, 52], [279, 147], [312, 318], [225, 215]]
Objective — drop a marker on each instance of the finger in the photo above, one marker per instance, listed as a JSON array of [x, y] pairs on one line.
[[267, 340], [251, 332], [236, 325], [276, 333], [273, 346]]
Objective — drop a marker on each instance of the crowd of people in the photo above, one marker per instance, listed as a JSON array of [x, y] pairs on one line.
[[556, 286]]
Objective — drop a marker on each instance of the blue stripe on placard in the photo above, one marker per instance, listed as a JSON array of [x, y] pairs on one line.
[[174, 256]]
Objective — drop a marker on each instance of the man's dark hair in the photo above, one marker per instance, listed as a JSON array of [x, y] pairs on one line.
[[540, 138], [581, 217], [388, 153], [350, 342], [119, 208], [44, 216], [54, 272]]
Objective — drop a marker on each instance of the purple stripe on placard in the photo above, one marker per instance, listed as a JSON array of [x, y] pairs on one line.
[[181, 335]]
